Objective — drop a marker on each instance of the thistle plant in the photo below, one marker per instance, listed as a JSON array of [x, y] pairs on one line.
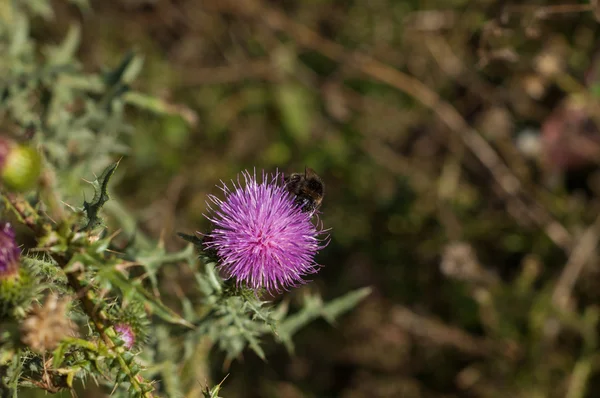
[[80, 310]]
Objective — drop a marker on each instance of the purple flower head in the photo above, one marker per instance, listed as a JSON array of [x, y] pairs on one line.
[[9, 252], [261, 236], [125, 333]]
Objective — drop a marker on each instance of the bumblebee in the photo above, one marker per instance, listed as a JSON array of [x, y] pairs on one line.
[[308, 188]]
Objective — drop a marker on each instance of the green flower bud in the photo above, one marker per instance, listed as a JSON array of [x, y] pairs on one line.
[[20, 165]]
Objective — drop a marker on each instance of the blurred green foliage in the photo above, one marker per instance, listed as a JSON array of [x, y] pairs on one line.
[[414, 212], [478, 291], [87, 302]]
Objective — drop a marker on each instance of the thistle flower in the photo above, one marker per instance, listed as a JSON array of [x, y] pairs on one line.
[[17, 284], [131, 323], [9, 252], [262, 238], [125, 333]]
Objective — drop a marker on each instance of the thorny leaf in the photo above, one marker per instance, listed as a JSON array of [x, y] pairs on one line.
[[214, 392], [315, 308], [100, 185], [131, 289]]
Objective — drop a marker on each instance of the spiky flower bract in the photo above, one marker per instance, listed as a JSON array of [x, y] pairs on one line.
[[262, 238]]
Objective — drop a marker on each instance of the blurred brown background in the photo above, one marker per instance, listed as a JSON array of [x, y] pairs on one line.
[[459, 145]]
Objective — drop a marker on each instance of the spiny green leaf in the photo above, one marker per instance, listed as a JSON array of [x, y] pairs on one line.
[[257, 309], [20, 33], [84, 5], [64, 53], [213, 278], [41, 8], [117, 75], [343, 304], [249, 335], [58, 355], [314, 308], [153, 258], [214, 392], [134, 289], [100, 185]]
